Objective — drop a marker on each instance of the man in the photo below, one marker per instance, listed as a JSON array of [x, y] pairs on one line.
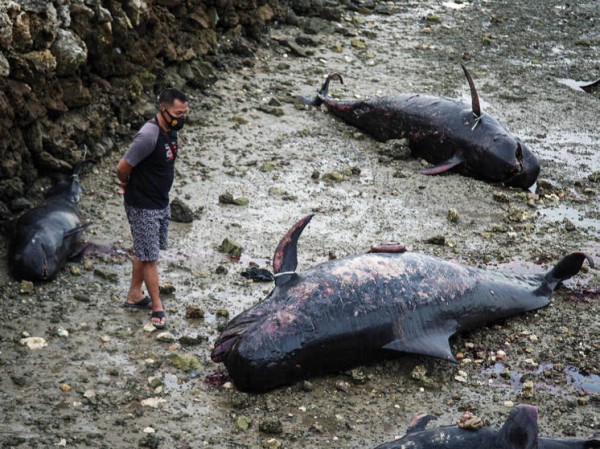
[[146, 175]]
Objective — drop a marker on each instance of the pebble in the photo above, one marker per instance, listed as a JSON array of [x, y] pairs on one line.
[[334, 176], [166, 337], [242, 423], [271, 426], [89, 394], [184, 362], [26, 287], [508, 403], [107, 275], [34, 342], [166, 289], [153, 402], [88, 265], [149, 430], [65, 387], [231, 247], [75, 270], [149, 327], [453, 215], [192, 312], [527, 389], [272, 443], [63, 333]]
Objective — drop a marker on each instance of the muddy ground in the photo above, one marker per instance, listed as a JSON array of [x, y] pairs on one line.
[[90, 388]]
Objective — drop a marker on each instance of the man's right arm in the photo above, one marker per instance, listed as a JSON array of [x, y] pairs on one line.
[[123, 172]]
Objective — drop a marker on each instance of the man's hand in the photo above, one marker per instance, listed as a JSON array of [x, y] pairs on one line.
[[123, 172]]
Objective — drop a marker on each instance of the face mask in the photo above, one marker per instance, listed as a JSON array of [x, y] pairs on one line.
[[175, 123]]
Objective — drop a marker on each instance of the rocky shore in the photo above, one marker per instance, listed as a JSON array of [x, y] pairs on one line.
[[76, 76]]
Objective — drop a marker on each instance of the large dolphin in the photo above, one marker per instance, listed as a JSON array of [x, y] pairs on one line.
[[445, 132], [520, 431], [46, 236], [365, 307]]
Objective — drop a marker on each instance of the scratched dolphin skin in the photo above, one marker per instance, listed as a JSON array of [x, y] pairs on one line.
[[46, 236], [366, 307], [520, 431], [450, 134]]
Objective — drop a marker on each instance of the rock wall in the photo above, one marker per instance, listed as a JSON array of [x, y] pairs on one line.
[[78, 74]]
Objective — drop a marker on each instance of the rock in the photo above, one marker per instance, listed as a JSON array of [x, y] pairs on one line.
[[272, 443], [231, 247], [75, 270], [74, 93], [334, 176], [19, 204], [34, 342], [271, 426], [436, 240], [192, 312], [396, 149], [82, 297], [181, 212], [184, 362], [166, 288], [358, 43], [267, 166], [453, 215], [222, 313], [242, 423], [65, 387], [70, 52], [188, 340], [227, 198], [150, 440], [527, 389], [107, 275], [278, 112], [62, 333], [149, 327], [594, 177]]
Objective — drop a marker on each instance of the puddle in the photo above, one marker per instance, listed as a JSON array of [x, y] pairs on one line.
[[589, 383], [579, 219]]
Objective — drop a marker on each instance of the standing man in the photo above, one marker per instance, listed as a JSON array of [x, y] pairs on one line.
[[146, 175]]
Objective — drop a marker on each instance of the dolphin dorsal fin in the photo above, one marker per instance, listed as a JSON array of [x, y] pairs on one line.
[[520, 430], [285, 259], [419, 423], [566, 268], [474, 97]]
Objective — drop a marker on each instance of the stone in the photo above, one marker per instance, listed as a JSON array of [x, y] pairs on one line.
[[149, 327], [333, 176], [184, 362], [271, 426], [181, 212], [62, 333], [228, 198], [26, 287], [231, 247], [242, 423], [70, 52], [166, 288], [4, 66], [34, 342], [75, 94], [153, 402], [106, 274], [188, 340], [192, 312], [166, 337], [453, 215], [43, 61]]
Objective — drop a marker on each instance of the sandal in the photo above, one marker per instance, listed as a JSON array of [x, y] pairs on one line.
[[144, 303], [159, 314]]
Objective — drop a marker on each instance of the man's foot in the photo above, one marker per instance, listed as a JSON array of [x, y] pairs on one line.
[[144, 303], [159, 319]]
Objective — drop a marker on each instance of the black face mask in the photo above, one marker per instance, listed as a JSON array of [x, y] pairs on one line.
[[175, 123]]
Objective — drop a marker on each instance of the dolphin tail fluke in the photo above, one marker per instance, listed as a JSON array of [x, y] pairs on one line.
[[318, 100], [285, 259], [568, 267]]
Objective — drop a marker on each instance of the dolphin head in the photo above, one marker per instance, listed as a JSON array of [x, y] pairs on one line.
[[528, 164], [33, 261]]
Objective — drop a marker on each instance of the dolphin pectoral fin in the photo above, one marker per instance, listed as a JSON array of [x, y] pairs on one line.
[[443, 167], [434, 342], [285, 259], [76, 230]]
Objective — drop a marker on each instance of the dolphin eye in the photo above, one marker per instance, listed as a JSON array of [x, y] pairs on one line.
[[519, 155]]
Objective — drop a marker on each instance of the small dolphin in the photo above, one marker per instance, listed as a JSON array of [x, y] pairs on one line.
[[520, 431], [447, 133], [362, 308], [46, 236]]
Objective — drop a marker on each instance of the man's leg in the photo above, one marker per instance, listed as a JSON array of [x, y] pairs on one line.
[[137, 278], [150, 270]]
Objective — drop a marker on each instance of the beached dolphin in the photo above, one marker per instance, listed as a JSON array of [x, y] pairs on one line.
[[366, 307], [448, 133], [520, 431], [46, 236]]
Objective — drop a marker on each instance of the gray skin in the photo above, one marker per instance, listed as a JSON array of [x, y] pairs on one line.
[[520, 431], [367, 307], [46, 236], [450, 134]]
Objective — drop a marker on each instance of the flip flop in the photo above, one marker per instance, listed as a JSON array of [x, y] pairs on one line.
[[144, 303], [159, 314]]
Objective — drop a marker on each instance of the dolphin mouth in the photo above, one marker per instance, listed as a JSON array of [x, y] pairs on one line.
[[222, 348]]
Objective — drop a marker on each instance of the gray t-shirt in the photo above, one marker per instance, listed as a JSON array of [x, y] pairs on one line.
[[143, 143]]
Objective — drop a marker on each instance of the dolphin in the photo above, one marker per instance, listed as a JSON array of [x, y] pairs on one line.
[[448, 133], [365, 307], [46, 236], [520, 431]]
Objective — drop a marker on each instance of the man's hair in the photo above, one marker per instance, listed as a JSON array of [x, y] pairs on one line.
[[170, 94]]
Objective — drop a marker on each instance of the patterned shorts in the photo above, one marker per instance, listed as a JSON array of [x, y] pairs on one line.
[[150, 231]]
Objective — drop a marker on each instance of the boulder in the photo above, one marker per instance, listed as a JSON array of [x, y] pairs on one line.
[[70, 52]]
